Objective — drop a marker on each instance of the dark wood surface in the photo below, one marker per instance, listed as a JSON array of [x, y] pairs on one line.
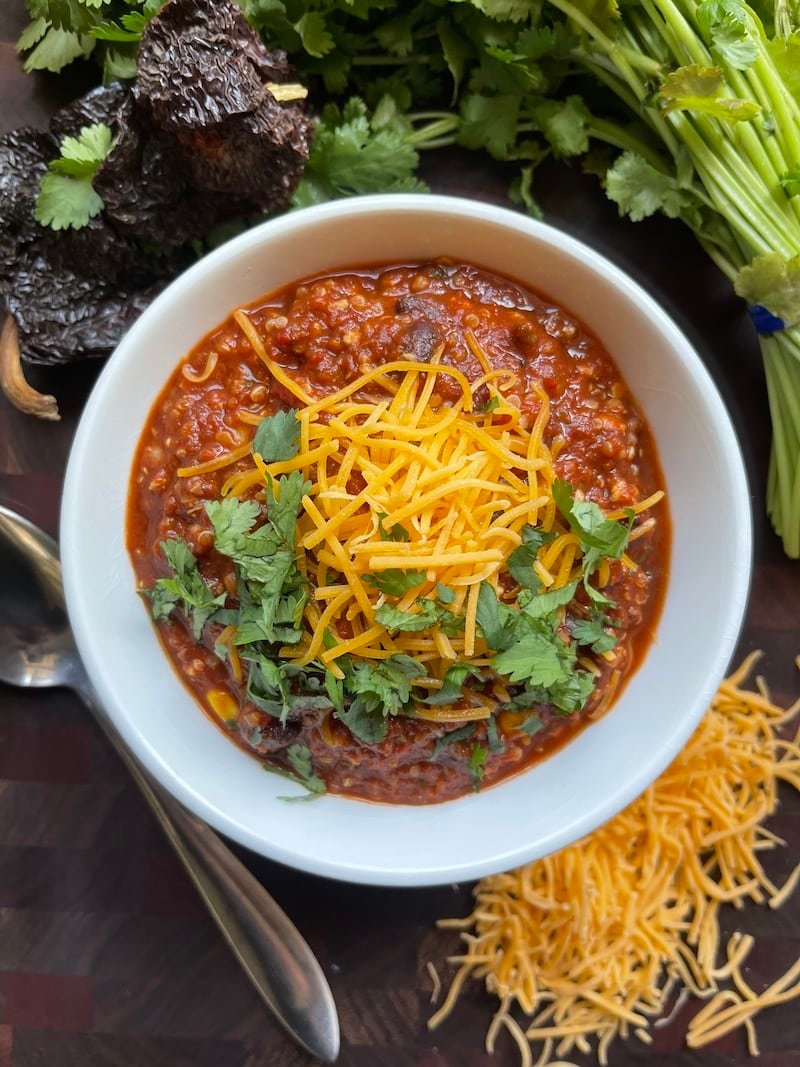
[[106, 956]]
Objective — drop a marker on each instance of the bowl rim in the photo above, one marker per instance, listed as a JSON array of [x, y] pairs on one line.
[[659, 321]]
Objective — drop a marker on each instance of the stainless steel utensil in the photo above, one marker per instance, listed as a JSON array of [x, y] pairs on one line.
[[37, 649]]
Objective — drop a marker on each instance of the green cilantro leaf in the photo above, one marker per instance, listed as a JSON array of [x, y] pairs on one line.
[[452, 685], [82, 155], [117, 66], [66, 197], [539, 605], [521, 560], [564, 125], [532, 725], [456, 51], [639, 190], [495, 741], [277, 437], [387, 683], [452, 738], [572, 693], [232, 520], [593, 632], [377, 691], [489, 122], [785, 55], [398, 532], [774, 282], [695, 88], [395, 582], [112, 31], [66, 203], [349, 157], [268, 687], [590, 524], [504, 10], [427, 615], [185, 589], [444, 593], [496, 620], [57, 48], [302, 772], [724, 25], [283, 509], [365, 721], [316, 39], [534, 659], [32, 33], [334, 687], [477, 764]]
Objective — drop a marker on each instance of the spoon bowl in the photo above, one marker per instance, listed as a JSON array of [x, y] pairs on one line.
[[37, 649], [36, 644]]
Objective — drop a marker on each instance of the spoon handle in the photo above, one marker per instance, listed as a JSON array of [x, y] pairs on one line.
[[266, 943]]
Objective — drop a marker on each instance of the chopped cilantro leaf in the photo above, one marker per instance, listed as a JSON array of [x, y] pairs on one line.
[[532, 725], [495, 741], [334, 687], [451, 738], [302, 772], [232, 520], [477, 764], [377, 691], [572, 693], [589, 522], [277, 437], [394, 618], [365, 720], [452, 686], [534, 659], [398, 532], [185, 589], [538, 605], [496, 620], [395, 582], [593, 632], [445, 594], [283, 509], [520, 562]]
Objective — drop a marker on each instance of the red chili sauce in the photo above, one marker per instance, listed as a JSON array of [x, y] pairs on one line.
[[326, 331]]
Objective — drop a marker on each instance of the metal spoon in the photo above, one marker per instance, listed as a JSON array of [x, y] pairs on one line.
[[37, 649]]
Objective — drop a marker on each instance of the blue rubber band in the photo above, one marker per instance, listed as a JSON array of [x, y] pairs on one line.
[[764, 321]]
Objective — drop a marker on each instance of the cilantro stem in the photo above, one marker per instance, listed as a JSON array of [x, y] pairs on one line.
[[626, 59], [784, 107], [613, 134], [436, 134], [784, 497]]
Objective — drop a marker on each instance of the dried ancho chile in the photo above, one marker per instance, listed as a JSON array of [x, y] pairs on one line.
[[213, 128], [203, 138], [70, 294]]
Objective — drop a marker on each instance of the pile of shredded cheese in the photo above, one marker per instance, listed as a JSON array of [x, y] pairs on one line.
[[385, 451], [592, 942]]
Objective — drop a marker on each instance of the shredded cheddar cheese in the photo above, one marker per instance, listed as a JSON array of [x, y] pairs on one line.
[[591, 943], [386, 453]]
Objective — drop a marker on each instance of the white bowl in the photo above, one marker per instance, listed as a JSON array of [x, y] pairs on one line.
[[555, 802]]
